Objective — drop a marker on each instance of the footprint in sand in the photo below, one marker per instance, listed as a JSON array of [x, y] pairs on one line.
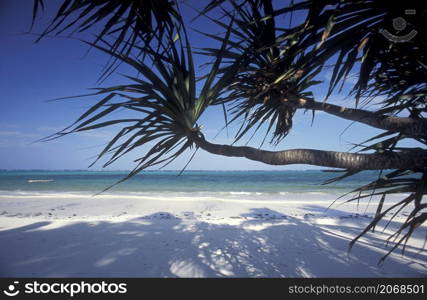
[[15, 215]]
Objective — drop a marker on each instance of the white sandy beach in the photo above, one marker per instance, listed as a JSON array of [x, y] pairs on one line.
[[145, 236]]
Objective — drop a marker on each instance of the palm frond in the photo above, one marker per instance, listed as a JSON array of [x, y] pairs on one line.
[[165, 97], [126, 23]]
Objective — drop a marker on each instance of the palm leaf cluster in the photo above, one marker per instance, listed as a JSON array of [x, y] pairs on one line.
[[408, 182], [345, 37], [256, 95], [166, 102], [411, 182], [129, 19], [394, 72], [348, 35], [126, 23]]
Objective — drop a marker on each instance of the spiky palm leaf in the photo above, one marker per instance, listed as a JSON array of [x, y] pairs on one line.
[[348, 35], [166, 99], [130, 19], [256, 95], [127, 23], [411, 183]]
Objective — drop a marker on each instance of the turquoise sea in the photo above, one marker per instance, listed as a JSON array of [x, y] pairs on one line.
[[225, 182]]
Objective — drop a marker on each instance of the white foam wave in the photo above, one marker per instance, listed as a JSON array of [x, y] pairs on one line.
[[240, 193], [39, 180], [234, 196]]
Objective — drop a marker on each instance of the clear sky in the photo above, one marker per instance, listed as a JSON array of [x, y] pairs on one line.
[[31, 74]]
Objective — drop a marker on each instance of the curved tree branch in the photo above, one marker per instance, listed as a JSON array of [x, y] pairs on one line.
[[412, 159], [408, 126]]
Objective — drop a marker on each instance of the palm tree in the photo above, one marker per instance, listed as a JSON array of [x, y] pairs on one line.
[[262, 73]]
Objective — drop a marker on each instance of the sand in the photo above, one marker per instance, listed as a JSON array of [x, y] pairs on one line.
[[75, 235]]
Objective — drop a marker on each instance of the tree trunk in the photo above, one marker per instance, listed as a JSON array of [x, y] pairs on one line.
[[413, 159], [408, 126]]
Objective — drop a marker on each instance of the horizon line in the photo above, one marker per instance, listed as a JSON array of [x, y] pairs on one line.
[[174, 170]]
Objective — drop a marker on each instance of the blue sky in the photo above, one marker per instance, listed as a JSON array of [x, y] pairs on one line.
[[31, 74]]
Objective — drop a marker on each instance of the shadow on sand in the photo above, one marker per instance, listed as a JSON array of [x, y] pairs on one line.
[[265, 244]]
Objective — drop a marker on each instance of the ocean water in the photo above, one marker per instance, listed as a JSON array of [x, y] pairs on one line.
[[226, 183]]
